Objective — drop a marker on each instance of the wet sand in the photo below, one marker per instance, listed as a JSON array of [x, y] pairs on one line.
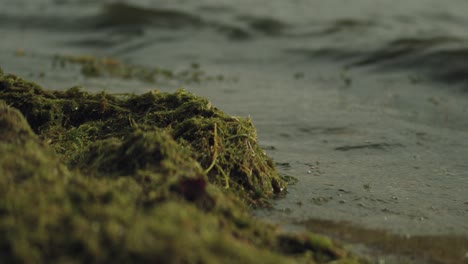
[[373, 163], [392, 162]]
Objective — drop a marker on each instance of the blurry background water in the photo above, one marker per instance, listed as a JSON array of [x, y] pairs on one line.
[[365, 102]]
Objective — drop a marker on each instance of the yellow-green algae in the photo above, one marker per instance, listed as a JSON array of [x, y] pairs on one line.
[[79, 124], [91, 66], [96, 178]]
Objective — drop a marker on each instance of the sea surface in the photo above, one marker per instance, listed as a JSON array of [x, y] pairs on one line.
[[365, 102]]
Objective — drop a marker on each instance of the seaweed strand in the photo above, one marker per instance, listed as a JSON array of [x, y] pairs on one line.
[[215, 147]]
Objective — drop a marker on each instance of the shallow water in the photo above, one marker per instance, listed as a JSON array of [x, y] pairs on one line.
[[364, 103]]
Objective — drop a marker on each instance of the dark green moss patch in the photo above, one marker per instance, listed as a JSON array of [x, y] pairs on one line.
[[160, 178]]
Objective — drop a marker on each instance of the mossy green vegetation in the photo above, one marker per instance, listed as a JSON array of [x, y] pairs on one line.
[[92, 67], [159, 177], [83, 127]]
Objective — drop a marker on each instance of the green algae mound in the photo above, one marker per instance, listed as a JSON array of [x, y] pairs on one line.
[[79, 124], [150, 178]]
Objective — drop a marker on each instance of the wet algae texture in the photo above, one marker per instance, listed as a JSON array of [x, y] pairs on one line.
[[158, 177], [91, 66]]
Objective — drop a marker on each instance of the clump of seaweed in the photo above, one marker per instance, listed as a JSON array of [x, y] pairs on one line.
[[91, 66], [74, 121], [99, 178]]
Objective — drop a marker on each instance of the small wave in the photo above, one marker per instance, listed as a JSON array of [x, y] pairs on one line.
[[442, 58], [347, 25], [217, 9], [265, 25], [56, 23], [450, 66], [122, 14], [126, 15], [321, 53], [403, 48]]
